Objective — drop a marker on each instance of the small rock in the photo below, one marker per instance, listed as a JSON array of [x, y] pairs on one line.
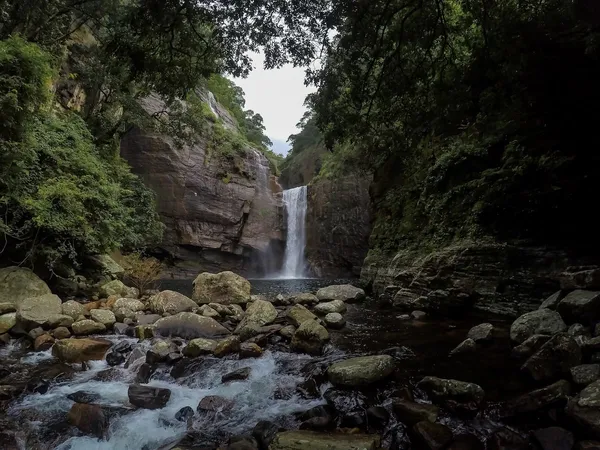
[[453, 393], [120, 328], [529, 346], [554, 394], [144, 373], [188, 325], [552, 301], [288, 331], [432, 436], [214, 403], [137, 354], [466, 346], [227, 346], [585, 374], [343, 292], [250, 350], [36, 333], [236, 375], [310, 337], [264, 432], [225, 287], [588, 445], [466, 442], [411, 413], [378, 417], [418, 315], [7, 321], [73, 309], [86, 327], [361, 371], [170, 302], [61, 333], [553, 438], [60, 320], [123, 313], [43, 343], [554, 358], [200, 346], [184, 414], [6, 308], [143, 332], [114, 358], [103, 316], [207, 311], [481, 333], [84, 397], [578, 329], [306, 439], [148, 397], [158, 352], [506, 439], [335, 306], [403, 317], [306, 299], [90, 419], [298, 314], [584, 409], [335, 321]]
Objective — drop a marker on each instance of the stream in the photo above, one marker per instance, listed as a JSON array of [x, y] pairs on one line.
[[270, 392]]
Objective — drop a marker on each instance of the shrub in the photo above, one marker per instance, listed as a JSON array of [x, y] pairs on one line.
[[142, 272]]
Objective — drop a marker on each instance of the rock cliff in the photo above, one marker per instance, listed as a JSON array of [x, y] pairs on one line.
[[222, 212], [338, 224]]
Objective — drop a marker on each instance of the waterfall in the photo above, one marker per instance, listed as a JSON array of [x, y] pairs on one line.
[[295, 204]]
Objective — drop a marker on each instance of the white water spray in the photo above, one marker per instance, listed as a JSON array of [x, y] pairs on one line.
[[295, 204]]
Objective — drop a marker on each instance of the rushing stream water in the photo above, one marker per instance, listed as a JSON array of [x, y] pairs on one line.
[[270, 393]]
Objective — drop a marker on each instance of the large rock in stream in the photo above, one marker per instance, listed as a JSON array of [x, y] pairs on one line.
[[554, 359], [304, 439], [343, 292], [18, 284], [226, 288], [361, 371], [80, 350], [170, 302], [189, 326], [259, 313], [90, 419], [148, 397], [39, 311], [310, 337], [580, 306], [540, 321], [453, 394]]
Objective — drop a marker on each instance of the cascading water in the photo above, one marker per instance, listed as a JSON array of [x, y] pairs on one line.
[[295, 204]]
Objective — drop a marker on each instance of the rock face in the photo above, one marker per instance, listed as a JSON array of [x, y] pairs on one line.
[[220, 213], [338, 224], [541, 321], [361, 371], [189, 326], [303, 439], [18, 284], [226, 288]]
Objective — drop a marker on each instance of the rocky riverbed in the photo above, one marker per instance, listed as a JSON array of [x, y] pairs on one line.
[[226, 368]]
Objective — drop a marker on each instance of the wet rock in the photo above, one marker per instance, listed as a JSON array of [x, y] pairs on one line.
[[506, 439], [143, 332], [9, 392], [466, 442], [103, 316], [584, 409], [43, 343], [288, 331], [529, 346], [4, 339], [84, 397], [343, 292], [18, 284], [80, 350], [200, 346], [87, 327], [61, 333], [553, 438], [148, 397], [310, 337], [466, 346], [552, 301], [432, 436], [418, 315], [554, 359], [7, 321], [377, 417], [159, 351], [318, 418], [184, 414], [90, 419], [144, 373], [227, 346], [264, 432], [578, 329], [120, 328], [190, 326], [580, 306], [361, 371], [335, 306], [344, 401], [335, 321], [242, 443], [259, 313], [541, 321], [354, 420], [298, 314], [37, 311], [453, 394], [237, 375], [399, 353], [173, 357], [552, 395], [411, 413], [305, 439], [225, 288], [481, 333], [114, 358], [306, 299], [123, 313], [214, 403], [250, 350], [585, 374]]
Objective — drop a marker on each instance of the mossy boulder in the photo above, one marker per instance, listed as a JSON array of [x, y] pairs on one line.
[[170, 302], [38, 311], [225, 287], [18, 284], [80, 350], [188, 325], [361, 371], [310, 337], [259, 313]]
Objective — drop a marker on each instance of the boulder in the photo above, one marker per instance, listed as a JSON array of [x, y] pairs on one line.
[[305, 439], [466, 346], [147, 319], [61, 333], [188, 325], [7, 321], [214, 403], [148, 397], [580, 306], [236, 375], [585, 374], [553, 438], [159, 351], [80, 350], [264, 432], [227, 346], [250, 350], [335, 321], [35, 312], [554, 359], [90, 419], [143, 332], [584, 409], [549, 396], [73, 309], [200, 346], [453, 393], [207, 311], [225, 287], [123, 313], [335, 306], [121, 328], [298, 314], [310, 337], [529, 346], [259, 313], [104, 316], [306, 299], [432, 436], [411, 413], [288, 331], [43, 343], [18, 284], [552, 301], [60, 320], [343, 292], [184, 414], [129, 303], [418, 315], [87, 326], [84, 397], [114, 358], [170, 302], [481, 333], [361, 371], [541, 321], [114, 287]]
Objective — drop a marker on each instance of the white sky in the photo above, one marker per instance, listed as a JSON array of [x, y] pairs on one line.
[[278, 96]]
